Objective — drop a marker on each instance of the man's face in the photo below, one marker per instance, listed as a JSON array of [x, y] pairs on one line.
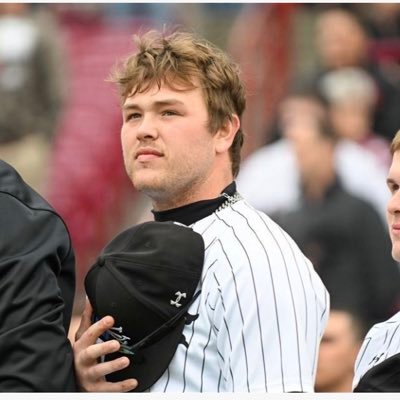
[[314, 154], [337, 354], [393, 207], [168, 151], [351, 120], [340, 41], [298, 110]]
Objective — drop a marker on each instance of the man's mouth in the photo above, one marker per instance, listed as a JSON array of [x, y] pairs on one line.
[[147, 154]]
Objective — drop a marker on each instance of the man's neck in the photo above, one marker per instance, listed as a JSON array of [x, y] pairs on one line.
[[209, 189], [316, 188], [190, 213]]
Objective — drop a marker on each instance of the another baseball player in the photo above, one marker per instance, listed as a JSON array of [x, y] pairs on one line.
[[258, 322], [377, 366]]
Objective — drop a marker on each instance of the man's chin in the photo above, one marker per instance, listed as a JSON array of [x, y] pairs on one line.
[[395, 247], [146, 180], [149, 188], [396, 253]]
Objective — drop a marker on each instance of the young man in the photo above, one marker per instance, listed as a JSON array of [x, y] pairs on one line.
[[377, 366], [37, 281], [262, 308]]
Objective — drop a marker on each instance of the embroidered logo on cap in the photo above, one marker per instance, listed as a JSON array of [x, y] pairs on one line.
[[117, 333], [179, 296]]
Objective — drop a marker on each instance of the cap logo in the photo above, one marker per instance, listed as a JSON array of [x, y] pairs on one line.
[[117, 333], [179, 296]]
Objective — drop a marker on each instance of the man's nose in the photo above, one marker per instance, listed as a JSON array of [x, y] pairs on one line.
[[147, 128], [394, 203]]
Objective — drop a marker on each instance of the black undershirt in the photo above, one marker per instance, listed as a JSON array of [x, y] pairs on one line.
[[193, 212]]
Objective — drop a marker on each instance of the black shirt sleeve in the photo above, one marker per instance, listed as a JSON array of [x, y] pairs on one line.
[[36, 293]]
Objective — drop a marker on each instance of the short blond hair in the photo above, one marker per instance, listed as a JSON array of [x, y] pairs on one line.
[[395, 145], [179, 60]]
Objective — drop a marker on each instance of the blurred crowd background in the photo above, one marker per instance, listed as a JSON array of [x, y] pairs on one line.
[[323, 84]]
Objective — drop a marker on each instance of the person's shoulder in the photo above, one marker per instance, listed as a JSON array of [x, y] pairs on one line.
[[243, 216], [26, 216], [378, 335], [348, 151], [12, 184], [256, 230], [381, 328]]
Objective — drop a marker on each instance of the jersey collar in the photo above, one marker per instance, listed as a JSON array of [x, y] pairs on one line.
[[193, 212]]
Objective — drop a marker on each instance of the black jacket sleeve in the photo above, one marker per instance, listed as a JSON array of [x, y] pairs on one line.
[[36, 292]]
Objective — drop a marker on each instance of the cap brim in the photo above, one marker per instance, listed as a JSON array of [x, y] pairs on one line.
[[149, 363]]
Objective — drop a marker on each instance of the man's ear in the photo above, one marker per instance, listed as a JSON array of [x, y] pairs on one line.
[[226, 134]]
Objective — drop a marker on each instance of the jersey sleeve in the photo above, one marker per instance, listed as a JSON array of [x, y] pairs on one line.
[[269, 314], [35, 352]]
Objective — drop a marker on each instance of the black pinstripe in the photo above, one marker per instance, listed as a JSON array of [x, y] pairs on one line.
[[390, 342], [367, 341], [219, 382], [186, 355], [227, 330], [204, 358], [207, 228], [291, 294], [166, 384], [301, 279], [255, 292], [275, 304], [240, 307]]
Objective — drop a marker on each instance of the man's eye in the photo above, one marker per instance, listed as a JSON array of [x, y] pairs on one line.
[[393, 188], [132, 116], [327, 339], [169, 113]]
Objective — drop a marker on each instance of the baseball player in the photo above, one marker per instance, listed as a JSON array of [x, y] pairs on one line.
[[257, 324], [375, 367]]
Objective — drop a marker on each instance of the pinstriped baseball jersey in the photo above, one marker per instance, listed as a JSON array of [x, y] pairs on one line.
[[381, 342], [257, 324]]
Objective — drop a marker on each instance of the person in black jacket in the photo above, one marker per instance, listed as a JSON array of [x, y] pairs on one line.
[[37, 284], [341, 234]]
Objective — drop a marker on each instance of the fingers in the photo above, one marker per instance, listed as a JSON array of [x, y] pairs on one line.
[[123, 386], [90, 334], [90, 354], [113, 387], [85, 320], [90, 373], [105, 368]]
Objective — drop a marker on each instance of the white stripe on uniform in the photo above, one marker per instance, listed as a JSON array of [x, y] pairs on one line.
[[261, 312]]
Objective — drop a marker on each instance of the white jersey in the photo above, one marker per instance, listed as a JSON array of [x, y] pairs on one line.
[[381, 342], [258, 321]]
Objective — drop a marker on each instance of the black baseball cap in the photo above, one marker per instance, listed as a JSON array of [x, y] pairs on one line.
[[383, 377], [146, 279]]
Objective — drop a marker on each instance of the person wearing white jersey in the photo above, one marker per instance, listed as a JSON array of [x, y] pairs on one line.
[[377, 366], [262, 310]]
